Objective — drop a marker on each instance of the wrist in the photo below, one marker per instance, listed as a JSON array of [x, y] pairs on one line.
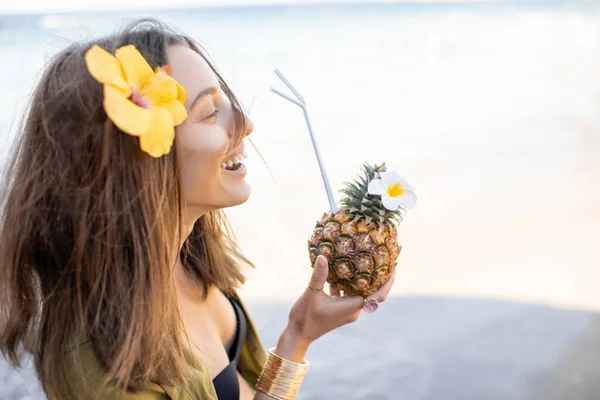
[[292, 346]]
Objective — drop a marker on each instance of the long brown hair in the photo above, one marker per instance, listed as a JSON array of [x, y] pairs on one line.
[[90, 226]]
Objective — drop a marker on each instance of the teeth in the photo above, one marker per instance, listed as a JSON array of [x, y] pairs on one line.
[[235, 160]]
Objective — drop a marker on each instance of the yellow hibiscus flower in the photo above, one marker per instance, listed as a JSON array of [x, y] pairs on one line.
[[139, 101]]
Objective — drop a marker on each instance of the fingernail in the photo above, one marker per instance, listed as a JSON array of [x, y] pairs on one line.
[[321, 261]]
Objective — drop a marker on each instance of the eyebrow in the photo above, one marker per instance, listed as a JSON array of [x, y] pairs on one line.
[[206, 92]]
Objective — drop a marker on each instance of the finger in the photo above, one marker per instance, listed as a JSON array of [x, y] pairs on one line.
[[345, 306], [334, 290], [381, 294], [319, 275], [353, 317]]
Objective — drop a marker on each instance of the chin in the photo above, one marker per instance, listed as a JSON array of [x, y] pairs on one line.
[[239, 196]]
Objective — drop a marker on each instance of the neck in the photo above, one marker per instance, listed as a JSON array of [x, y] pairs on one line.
[[186, 286]]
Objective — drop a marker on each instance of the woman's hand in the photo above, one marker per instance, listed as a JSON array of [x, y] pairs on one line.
[[315, 313]]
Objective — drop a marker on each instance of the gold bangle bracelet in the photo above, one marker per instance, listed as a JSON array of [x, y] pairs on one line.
[[281, 378]]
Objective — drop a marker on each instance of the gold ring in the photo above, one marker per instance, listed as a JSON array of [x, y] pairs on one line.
[[314, 290]]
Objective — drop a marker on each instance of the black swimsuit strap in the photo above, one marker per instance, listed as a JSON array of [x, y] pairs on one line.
[[241, 331], [226, 382]]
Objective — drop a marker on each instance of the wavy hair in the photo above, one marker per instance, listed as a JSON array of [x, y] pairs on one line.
[[90, 226]]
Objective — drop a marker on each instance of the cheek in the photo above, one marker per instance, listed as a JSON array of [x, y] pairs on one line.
[[202, 150], [202, 143]]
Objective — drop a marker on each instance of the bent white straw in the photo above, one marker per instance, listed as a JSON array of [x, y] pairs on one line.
[[299, 101]]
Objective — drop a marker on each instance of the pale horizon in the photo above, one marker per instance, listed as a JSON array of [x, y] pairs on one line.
[[76, 6]]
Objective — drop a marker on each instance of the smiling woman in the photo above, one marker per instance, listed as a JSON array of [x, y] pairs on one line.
[[118, 270]]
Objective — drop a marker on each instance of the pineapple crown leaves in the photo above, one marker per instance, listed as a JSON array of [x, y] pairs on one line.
[[360, 204]]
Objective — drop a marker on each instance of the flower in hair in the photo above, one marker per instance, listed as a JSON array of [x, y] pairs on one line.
[[139, 101]]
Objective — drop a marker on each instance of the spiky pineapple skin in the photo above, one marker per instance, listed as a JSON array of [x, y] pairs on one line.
[[361, 254]]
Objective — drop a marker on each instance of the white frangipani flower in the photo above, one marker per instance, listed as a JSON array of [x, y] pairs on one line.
[[394, 190]]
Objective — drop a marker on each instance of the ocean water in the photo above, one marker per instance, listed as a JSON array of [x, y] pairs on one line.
[[492, 110]]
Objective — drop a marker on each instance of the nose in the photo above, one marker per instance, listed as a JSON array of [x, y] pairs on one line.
[[249, 126]]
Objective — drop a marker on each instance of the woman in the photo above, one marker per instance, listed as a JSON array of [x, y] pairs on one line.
[[118, 270]]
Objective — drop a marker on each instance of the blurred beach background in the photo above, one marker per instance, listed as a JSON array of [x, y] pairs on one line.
[[491, 109]]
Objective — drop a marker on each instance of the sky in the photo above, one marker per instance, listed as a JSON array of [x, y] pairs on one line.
[[45, 6]]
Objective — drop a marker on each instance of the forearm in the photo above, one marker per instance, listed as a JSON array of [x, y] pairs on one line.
[[292, 348]]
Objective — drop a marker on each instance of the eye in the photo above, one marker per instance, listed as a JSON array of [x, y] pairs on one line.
[[214, 114]]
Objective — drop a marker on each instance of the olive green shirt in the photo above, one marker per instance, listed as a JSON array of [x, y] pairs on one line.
[[200, 387]]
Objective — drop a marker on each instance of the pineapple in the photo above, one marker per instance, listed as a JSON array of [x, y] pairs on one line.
[[360, 240]]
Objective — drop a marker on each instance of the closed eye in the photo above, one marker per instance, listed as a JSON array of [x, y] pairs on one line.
[[214, 114]]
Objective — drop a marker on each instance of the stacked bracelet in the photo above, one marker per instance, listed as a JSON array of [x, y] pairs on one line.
[[281, 378]]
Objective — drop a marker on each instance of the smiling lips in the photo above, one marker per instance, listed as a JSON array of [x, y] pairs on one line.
[[234, 162]]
